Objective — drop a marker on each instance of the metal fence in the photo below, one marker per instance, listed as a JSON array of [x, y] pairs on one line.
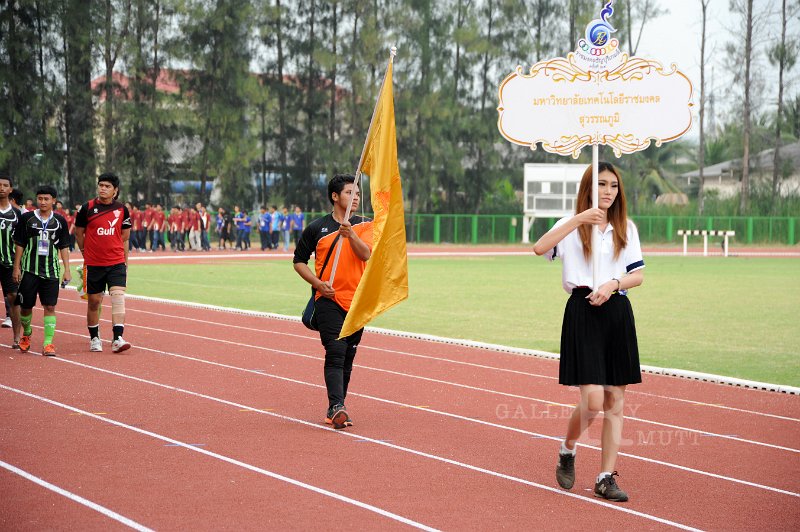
[[507, 228]]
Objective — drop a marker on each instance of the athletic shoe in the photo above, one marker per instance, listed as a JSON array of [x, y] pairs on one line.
[[96, 344], [607, 489], [565, 471], [25, 344], [347, 422], [49, 350], [7, 322], [337, 416], [15, 345], [119, 345]]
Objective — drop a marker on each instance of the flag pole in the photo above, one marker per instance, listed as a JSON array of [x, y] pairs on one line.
[[392, 53], [595, 229]]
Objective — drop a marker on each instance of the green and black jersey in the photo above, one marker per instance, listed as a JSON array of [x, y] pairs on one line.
[[41, 259], [8, 221]]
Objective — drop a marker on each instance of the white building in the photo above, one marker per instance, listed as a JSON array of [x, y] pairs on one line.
[[549, 192]]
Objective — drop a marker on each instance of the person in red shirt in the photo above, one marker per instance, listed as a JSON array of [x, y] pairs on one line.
[[174, 221], [159, 228], [183, 213], [147, 223], [136, 226], [70, 218], [102, 230], [194, 229]]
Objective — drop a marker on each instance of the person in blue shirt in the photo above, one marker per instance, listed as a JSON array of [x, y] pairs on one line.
[[298, 222], [238, 222], [286, 225], [264, 221], [247, 226], [275, 226]]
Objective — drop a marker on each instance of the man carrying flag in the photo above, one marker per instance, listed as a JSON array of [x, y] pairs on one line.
[[333, 298]]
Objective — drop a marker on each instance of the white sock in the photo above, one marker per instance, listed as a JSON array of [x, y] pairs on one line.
[[603, 475], [564, 449]]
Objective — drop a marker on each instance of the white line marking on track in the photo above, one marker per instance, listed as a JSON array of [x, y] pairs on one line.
[[712, 405], [469, 387], [448, 360], [423, 254], [456, 463], [77, 498], [420, 408], [233, 461]]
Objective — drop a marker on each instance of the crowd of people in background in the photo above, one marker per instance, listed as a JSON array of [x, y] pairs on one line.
[[192, 228]]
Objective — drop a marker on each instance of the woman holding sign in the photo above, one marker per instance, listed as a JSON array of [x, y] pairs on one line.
[[599, 351]]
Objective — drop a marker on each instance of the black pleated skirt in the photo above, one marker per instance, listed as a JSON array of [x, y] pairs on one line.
[[598, 344]]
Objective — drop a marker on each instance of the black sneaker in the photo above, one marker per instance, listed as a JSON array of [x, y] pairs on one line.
[[565, 471], [337, 416], [347, 422], [607, 489]]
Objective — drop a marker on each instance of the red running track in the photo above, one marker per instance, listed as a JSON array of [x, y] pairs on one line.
[[214, 420]]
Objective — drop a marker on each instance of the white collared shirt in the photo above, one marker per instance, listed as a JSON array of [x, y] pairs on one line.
[[577, 270]]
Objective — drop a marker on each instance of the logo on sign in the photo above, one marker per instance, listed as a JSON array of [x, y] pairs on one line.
[[597, 49]]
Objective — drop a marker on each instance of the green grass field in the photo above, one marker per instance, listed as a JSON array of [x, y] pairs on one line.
[[738, 317]]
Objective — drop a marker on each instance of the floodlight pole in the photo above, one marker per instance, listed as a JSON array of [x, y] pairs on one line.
[[595, 228]]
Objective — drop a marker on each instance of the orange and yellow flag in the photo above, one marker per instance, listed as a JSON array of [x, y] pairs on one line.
[[385, 280]]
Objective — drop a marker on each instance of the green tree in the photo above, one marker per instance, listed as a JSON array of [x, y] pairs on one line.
[[116, 20], [28, 141], [217, 37], [77, 29], [784, 54], [148, 121]]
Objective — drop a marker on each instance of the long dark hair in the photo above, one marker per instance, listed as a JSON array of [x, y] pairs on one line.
[[617, 212]]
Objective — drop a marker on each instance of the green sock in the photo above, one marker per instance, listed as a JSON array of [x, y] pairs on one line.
[[26, 324], [49, 329]]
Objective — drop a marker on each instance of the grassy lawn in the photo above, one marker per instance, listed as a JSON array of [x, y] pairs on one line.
[[738, 316]]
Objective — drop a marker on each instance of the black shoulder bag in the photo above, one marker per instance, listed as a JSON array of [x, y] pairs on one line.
[[308, 312]]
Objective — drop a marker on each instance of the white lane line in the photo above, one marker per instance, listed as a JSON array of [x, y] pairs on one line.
[[451, 361], [469, 387], [713, 405], [74, 497], [430, 410], [233, 461], [384, 443], [496, 253]]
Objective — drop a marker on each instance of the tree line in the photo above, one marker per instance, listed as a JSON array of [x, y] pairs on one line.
[[268, 97]]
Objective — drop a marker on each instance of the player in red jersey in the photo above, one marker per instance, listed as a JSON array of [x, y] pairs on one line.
[[102, 230]]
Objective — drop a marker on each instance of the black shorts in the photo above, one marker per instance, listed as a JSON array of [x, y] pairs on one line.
[[100, 277], [33, 285], [7, 280]]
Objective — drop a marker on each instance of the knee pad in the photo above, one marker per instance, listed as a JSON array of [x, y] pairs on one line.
[[117, 301]]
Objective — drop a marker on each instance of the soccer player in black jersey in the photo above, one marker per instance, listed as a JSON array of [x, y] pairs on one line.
[[41, 237], [9, 216]]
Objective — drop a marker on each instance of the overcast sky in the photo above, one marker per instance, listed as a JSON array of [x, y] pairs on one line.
[[676, 36]]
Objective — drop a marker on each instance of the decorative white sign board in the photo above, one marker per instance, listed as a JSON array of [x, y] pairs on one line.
[[566, 108], [596, 95]]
